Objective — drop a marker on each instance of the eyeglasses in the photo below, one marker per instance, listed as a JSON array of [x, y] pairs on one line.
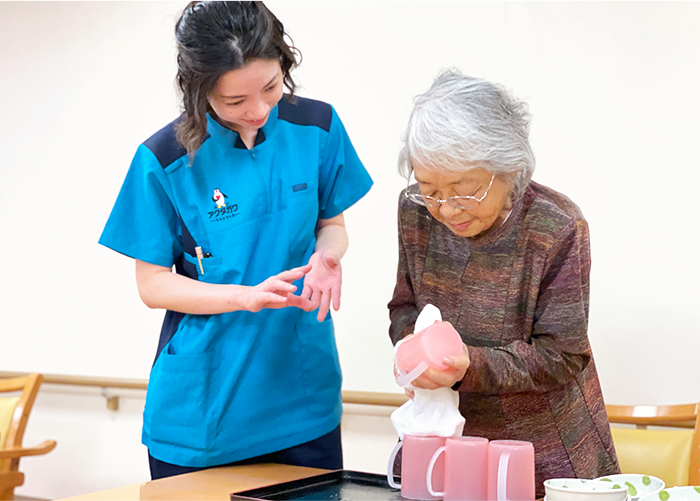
[[459, 202]]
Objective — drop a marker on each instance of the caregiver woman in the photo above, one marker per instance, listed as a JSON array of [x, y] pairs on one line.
[[507, 261], [246, 184]]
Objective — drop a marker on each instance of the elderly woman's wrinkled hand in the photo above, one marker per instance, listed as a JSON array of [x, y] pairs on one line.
[[433, 379]]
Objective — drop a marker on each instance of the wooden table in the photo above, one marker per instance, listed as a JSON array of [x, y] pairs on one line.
[[213, 484]]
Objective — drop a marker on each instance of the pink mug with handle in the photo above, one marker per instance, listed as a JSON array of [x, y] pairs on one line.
[[466, 461], [417, 452], [511, 471]]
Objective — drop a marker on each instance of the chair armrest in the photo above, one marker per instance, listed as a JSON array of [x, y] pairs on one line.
[[18, 452], [11, 479]]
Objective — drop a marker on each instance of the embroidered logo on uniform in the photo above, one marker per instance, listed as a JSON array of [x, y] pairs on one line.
[[223, 210], [219, 198]]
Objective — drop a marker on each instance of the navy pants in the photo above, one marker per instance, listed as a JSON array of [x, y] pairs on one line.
[[325, 452]]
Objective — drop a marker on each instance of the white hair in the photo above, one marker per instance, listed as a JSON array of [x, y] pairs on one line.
[[462, 123]]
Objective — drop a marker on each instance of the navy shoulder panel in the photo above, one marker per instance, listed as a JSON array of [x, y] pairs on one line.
[[165, 146], [305, 111]]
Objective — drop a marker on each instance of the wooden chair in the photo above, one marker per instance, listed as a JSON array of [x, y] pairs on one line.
[[14, 412], [673, 455]]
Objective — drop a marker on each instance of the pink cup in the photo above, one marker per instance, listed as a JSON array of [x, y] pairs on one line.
[[417, 453], [427, 348], [511, 471], [466, 460]]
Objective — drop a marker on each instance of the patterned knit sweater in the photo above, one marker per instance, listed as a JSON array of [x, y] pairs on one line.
[[519, 298]]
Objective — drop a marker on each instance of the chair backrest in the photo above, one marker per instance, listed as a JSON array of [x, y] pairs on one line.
[[7, 410], [19, 406], [14, 413], [673, 455]]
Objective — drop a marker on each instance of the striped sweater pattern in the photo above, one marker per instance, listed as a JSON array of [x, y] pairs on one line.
[[519, 297]]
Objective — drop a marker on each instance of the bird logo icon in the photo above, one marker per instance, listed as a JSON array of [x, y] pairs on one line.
[[219, 198]]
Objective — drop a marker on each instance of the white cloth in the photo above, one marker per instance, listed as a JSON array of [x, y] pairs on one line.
[[430, 412]]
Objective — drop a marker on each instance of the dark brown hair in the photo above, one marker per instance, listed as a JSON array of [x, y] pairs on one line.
[[214, 38]]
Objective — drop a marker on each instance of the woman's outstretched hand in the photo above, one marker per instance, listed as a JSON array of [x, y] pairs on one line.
[[278, 292], [322, 283]]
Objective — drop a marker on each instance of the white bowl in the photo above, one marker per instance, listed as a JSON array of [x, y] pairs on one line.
[[689, 493], [577, 489], [637, 483]]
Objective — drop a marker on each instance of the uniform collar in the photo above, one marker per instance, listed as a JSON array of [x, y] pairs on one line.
[[233, 138]]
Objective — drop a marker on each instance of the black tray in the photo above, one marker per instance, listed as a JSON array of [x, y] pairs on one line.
[[341, 485]]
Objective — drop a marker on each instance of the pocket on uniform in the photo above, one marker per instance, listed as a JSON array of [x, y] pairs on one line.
[[302, 214], [320, 364], [209, 271], [182, 407]]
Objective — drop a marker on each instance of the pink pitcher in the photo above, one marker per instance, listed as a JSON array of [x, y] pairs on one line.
[[427, 348]]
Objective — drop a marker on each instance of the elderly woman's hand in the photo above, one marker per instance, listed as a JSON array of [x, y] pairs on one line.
[[432, 379]]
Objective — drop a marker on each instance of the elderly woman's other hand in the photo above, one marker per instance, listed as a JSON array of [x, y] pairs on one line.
[[433, 379]]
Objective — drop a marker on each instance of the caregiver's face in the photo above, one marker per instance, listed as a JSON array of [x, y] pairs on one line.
[[464, 222], [244, 97]]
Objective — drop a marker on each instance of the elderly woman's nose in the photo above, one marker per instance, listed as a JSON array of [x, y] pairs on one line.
[[447, 210]]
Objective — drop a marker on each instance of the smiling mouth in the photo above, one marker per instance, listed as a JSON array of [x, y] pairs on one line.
[[256, 121], [461, 225]]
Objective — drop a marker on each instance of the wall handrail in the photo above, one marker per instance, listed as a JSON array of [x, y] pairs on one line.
[[349, 396]]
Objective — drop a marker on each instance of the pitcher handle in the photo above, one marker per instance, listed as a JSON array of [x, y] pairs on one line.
[[502, 476], [390, 467], [405, 379], [429, 473]]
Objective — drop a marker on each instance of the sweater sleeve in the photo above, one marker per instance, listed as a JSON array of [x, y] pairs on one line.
[[403, 310], [558, 348]]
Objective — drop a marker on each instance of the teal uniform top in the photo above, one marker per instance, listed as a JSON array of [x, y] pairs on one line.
[[237, 385]]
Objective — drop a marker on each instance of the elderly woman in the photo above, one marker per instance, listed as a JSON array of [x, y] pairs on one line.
[[507, 261]]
